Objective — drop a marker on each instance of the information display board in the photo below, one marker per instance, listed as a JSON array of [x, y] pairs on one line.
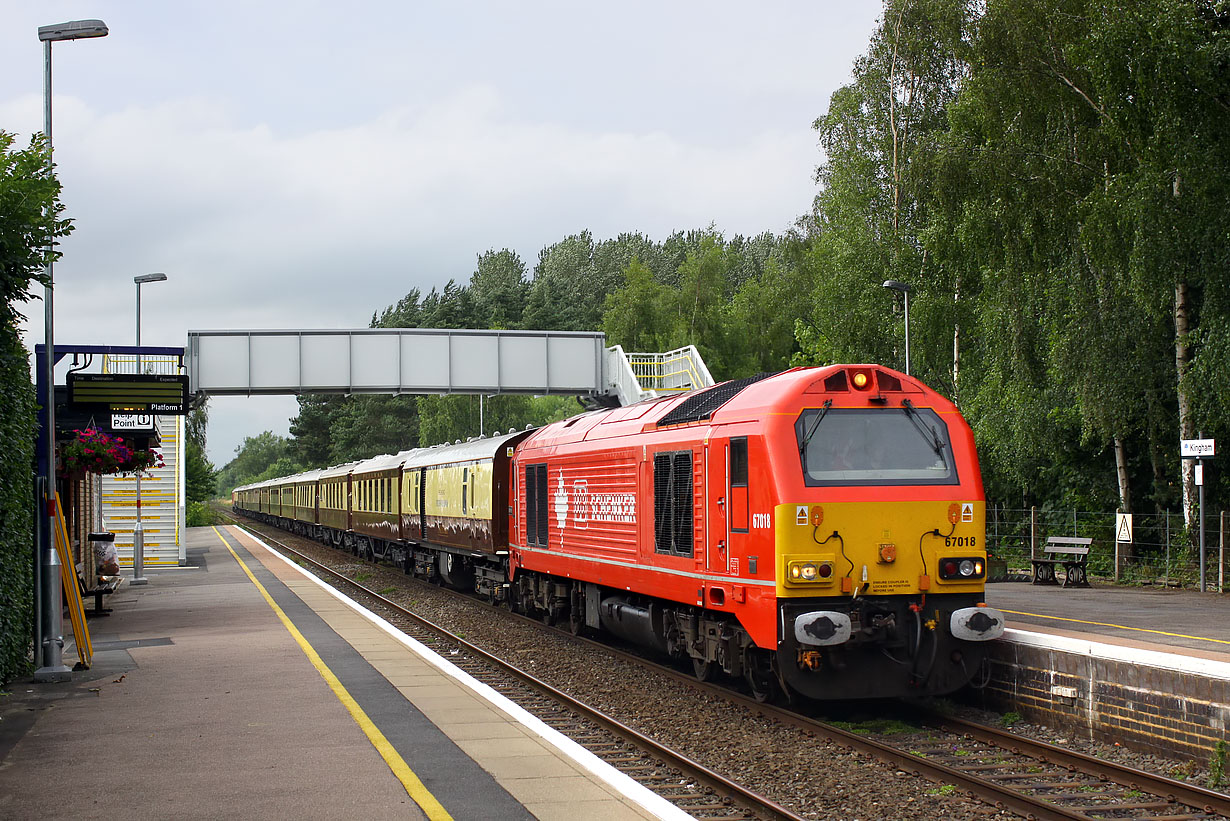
[[159, 394]]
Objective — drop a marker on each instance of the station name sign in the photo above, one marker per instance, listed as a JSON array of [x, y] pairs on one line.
[[153, 394], [1197, 448]]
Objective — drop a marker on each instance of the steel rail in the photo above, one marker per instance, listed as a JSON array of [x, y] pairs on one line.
[[1193, 796], [756, 804]]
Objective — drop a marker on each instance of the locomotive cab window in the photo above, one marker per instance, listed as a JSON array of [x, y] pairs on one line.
[[672, 503], [875, 446]]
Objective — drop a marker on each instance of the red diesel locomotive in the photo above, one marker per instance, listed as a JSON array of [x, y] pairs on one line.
[[819, 531]]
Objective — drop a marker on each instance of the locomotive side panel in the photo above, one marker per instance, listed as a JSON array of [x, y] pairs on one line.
[[577, 515]]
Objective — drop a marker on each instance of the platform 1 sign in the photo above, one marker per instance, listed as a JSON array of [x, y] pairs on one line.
[[1197, 448], [123, 393]]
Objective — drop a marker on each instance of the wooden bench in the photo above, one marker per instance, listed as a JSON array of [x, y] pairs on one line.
[[1070, 551]]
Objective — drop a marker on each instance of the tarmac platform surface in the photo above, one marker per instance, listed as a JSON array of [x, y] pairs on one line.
[[1175, 621], [239, 686]]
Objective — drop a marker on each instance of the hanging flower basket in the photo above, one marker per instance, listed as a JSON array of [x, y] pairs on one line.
[[93, 451]]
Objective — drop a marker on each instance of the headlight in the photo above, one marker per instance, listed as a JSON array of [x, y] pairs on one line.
[[802, 572], [962, 568]]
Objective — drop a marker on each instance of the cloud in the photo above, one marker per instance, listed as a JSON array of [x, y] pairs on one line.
[[256, 229], [311, 179]]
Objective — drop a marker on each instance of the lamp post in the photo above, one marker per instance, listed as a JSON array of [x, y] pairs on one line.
[[894, 285], [50, 640], [138, 530]]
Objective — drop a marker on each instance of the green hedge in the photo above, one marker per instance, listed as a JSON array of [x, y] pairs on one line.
[[17, 431]]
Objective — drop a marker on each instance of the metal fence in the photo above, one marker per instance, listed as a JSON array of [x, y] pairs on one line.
[[1162, 550]]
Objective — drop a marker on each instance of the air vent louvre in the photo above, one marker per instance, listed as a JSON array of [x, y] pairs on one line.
[[702, 404]]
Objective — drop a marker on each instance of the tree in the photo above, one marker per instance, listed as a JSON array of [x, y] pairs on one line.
[[30, 221], [368, 426], [312, 432], [880, 138], [641, 315], [30, 226], [253, 459], [200, 476], [499, 289]]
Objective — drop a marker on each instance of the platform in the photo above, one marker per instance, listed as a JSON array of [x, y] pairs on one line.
[[240, 686], [1142, 666]]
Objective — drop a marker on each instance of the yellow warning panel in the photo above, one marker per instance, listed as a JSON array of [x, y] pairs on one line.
[[72, 593]]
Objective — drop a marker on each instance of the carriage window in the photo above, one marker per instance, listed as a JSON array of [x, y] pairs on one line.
[[465, 484], [672, 503]]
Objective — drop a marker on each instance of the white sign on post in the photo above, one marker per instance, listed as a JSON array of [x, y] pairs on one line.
[[1123, 527], [1197, 448]]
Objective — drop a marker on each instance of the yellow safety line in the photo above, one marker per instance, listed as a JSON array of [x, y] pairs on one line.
[[414, 787], [1117, 626]]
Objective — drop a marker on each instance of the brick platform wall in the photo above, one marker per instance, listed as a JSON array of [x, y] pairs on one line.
[[1148, 708]]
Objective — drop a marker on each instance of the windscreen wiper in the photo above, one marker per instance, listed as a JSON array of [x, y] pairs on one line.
[[926, 430], [828, 403]]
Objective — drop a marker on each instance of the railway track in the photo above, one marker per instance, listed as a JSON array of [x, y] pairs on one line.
[[1002, 769], [694, 788]]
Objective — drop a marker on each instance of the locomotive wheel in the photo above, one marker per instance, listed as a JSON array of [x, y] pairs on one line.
[[761, 680], [704, 670], [576, 626]]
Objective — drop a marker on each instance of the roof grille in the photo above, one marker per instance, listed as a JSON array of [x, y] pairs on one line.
[[702, 404]]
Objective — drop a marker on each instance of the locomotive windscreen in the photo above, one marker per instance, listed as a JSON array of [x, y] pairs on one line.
[[875, 446]]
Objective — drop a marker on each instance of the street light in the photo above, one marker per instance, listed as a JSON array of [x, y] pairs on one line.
[[138, 530], [51, 640], [894, 285]]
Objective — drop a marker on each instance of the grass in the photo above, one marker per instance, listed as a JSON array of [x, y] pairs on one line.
[[876, 726], [943, 789], [1008, 719], [1217, 766], [388, 591], [362, 576]]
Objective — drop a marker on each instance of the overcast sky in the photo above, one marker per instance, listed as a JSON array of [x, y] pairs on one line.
[[305, 168]]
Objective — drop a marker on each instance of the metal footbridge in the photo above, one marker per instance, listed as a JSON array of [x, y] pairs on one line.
[[434, 361]]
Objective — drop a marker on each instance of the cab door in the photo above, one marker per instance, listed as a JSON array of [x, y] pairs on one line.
[[738, 501], [717, 524]]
